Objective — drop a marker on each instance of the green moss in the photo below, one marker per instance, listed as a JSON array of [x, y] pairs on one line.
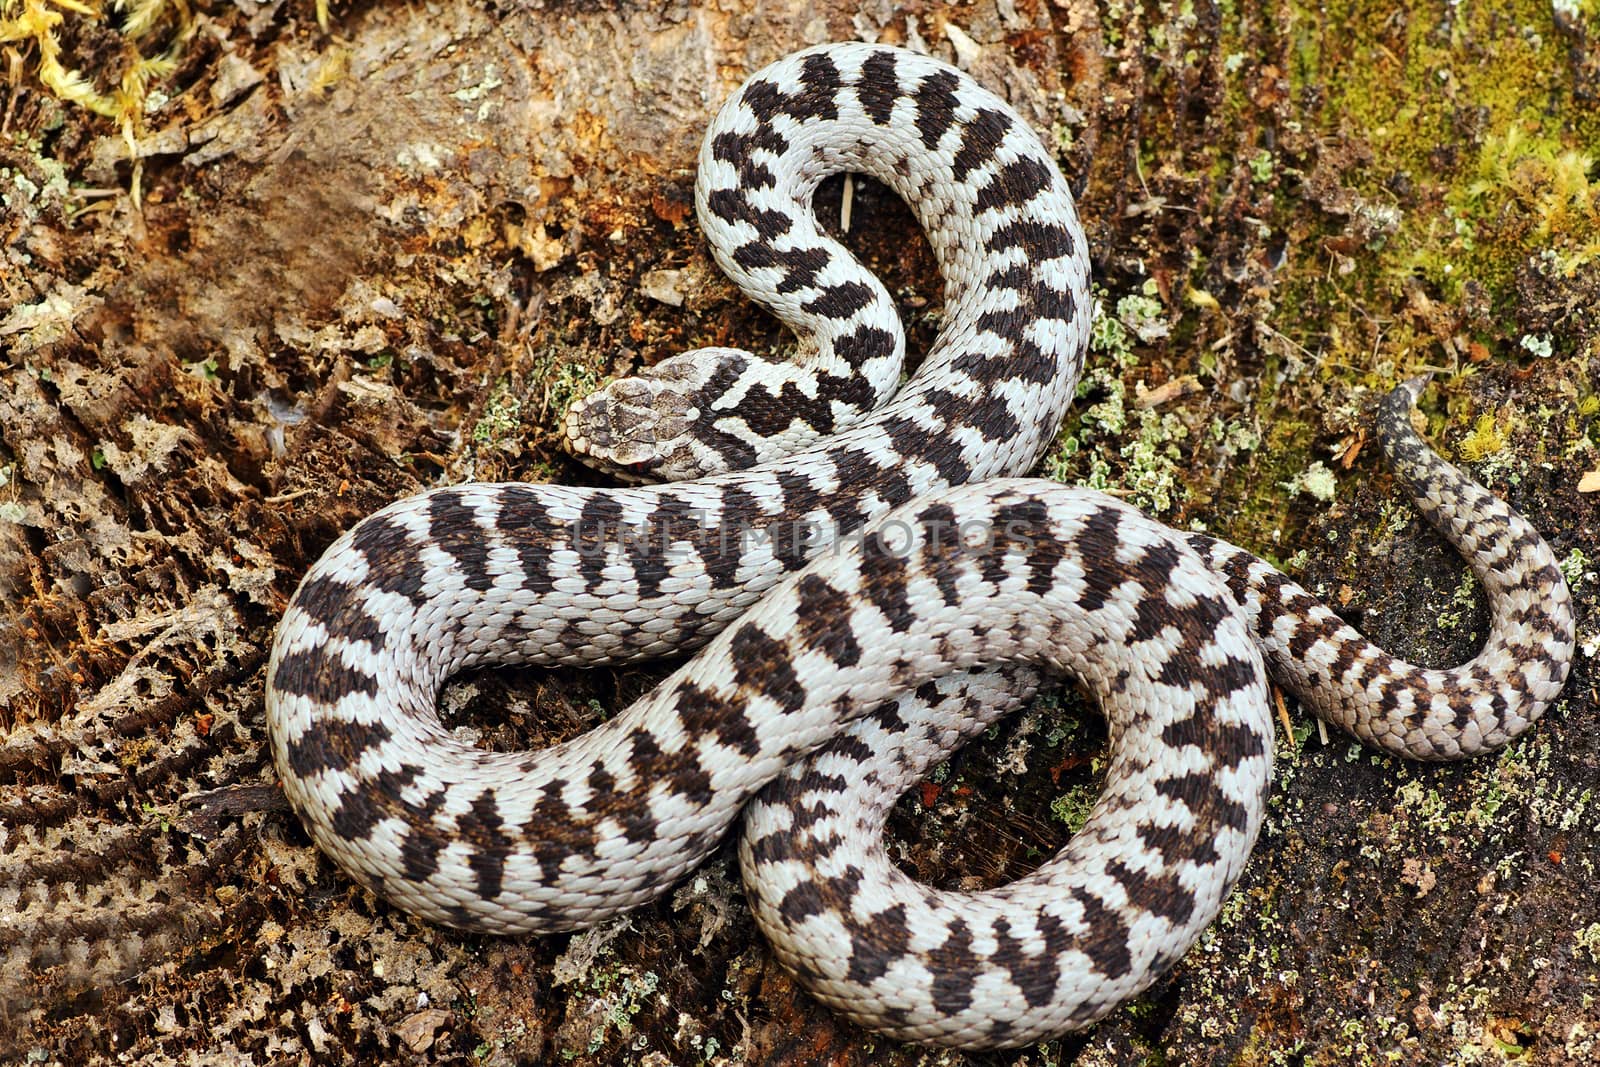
[[1472, 114], [1488, 437], [48, 30]]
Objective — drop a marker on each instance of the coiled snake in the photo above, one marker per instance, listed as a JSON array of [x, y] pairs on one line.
[[875, 589]]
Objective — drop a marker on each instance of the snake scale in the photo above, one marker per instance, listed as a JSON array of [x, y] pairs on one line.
[[872, 587]]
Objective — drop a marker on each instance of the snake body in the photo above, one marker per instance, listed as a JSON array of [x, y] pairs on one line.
[[874, 589]]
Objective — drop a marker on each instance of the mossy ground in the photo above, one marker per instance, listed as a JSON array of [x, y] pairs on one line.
[[374, 259]]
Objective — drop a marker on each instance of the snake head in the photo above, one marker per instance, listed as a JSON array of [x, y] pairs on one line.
[[651, 426]]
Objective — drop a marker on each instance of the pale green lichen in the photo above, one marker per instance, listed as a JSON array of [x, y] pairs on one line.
[[28, 327], [1316, 481], [1072, 807], [1261, 166], [1155, 475], [501, 416], [622, 993], [22, 194], [630, 998], [479, 90], [1107, 337], [1429, 810], [1151, 477], [1540, 345], [565, 381], [1462, 601], [1143, 315], [1588, 940], [1230, 438], [1575, 568]]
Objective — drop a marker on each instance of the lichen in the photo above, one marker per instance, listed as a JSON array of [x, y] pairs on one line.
[[1575, 567], [501, 415], [1316, 481], [1072, 807]]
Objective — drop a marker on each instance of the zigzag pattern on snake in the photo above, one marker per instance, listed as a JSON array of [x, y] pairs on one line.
[[840, 667]]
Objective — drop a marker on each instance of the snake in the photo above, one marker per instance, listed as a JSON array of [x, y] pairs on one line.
[[869, 582]]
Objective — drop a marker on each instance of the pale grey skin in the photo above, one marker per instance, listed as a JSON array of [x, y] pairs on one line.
[[1174, 633]]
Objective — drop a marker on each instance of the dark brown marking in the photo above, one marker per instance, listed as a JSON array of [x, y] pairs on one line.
[[800, 266], [419, 853], [953, 965], [1198, 792], [525, 524], [358, 812], [877, 944], [1037, 972], [1106, 943], [1162, 895], [1015, 184], [730, 205], [883, 572], [484, 831], [936, 102], [801, 903], [762, 664], [1228, 744], [454, 529], [823, 621], [340, 610], [841, 301], [980, 137], [704, 711], [597, 531], [554, 832], [1176, 845], [333, 744], [392, 563], [879, 87], [941, 537], [321, 674], [1043, 240]]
